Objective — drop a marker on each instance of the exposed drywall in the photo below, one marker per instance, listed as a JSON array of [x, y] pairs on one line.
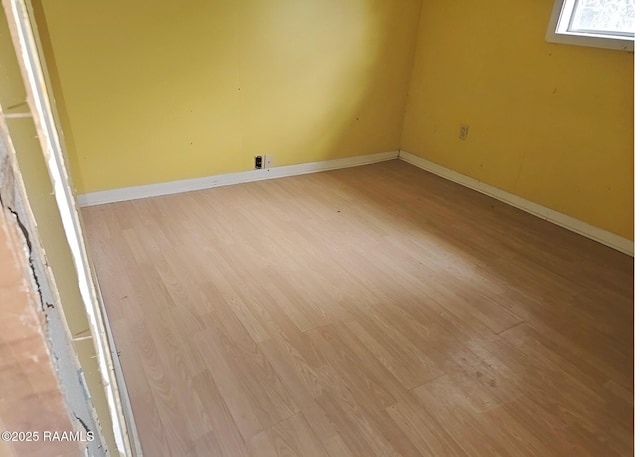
[[29, 381], [29, 196], [31, 391], [156, 91], [58, 257], [551, 123]]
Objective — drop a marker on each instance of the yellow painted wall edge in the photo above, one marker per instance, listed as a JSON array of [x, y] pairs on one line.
[[71, 318]]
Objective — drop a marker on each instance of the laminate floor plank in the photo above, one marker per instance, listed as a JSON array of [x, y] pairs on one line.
[[477, 437], [336, 447], [374, 311]]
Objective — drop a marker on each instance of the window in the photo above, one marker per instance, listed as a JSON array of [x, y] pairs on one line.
[[598, 23]]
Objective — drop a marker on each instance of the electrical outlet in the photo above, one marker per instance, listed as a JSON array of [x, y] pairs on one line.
[[268, 161], [463, 132], [258, 162]]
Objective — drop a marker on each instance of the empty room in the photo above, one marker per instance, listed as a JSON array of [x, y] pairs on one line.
[[350, 228]]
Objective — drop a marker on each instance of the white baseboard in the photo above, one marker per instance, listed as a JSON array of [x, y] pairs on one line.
[[187, 185], [597, 234], [173, 187]]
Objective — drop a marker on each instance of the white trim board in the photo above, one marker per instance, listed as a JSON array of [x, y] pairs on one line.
[[134, 437], [597, 234], [207, 182]]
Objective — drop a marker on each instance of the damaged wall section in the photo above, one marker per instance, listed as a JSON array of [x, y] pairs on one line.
[[27, 199], [40, 409]]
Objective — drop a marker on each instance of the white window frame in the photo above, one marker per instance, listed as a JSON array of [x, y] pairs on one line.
[[558, 31]]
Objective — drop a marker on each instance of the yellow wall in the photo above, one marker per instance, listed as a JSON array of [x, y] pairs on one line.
[[155, 91], [549, 122]]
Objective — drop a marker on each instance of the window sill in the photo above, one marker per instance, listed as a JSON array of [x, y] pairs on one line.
[[594, 41]]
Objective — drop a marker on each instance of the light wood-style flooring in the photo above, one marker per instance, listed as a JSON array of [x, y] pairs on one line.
[[364, 312]]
